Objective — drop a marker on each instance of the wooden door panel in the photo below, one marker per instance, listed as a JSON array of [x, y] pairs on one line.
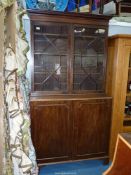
[[92, 127], [50, 128]]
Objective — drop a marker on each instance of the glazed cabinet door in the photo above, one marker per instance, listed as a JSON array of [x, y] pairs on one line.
[[89, 59], [51, 130], [51, 57], [91, 128]]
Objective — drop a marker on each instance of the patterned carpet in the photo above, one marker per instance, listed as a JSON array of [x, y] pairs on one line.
[[87, 167]]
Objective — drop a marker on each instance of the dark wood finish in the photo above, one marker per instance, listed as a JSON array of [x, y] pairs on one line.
[[71, 129], [101, 6], [82, 38], [82, 18], [90, 6], [123, 7], [63, 120], [51, 125], [92, 126]]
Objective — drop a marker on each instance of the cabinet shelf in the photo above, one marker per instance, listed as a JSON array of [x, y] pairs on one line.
[[126, 123], [65, 35], [78, 73], [127, 118], [49, 54], [50, 34], [128, 94], [63, 54]]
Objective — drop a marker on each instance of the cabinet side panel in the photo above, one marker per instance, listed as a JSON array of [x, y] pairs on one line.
[[120, 57]]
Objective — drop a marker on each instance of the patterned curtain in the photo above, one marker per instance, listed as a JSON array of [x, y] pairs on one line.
[[5, 3], [19, 151]]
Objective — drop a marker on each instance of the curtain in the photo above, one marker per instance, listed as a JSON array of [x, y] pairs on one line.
[[19, 151]]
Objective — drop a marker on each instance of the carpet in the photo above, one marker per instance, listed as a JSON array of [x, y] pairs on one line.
[[86, 167]]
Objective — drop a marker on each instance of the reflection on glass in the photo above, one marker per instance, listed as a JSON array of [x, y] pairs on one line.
[[50, 60], [88, 58]]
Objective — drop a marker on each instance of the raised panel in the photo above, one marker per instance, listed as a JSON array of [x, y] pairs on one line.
[[50, 128], [92, 127]]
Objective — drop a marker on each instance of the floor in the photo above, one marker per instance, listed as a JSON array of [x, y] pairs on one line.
[[87, 167]]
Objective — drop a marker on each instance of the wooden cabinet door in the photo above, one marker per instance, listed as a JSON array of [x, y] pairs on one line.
[[91, 128], [51, 130]]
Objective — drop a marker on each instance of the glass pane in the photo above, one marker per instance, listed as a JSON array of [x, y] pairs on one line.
[[89, 44], [50, 58]]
